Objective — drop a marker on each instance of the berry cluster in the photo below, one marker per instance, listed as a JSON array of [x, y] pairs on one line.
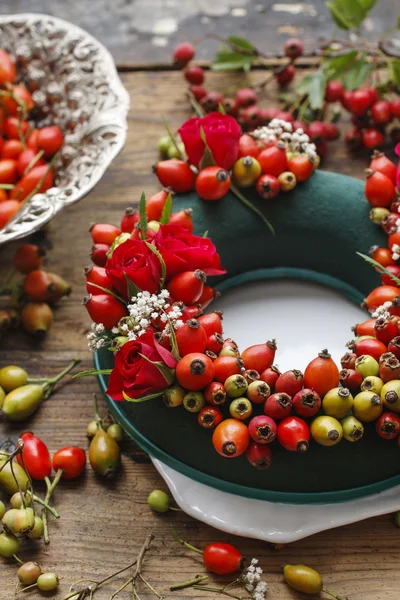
[[27, 154], [31, 299], [371, 116]]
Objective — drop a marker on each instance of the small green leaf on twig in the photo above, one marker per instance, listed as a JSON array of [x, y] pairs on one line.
[[379, 267], [91, 372], [162, 263], [354, 77], [167, 209], [133, 289], [239, 43], [143, 216], [228, 60], [313, 85]]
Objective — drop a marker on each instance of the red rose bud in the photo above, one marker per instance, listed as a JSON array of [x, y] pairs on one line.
[[143, 368], [222, 133]]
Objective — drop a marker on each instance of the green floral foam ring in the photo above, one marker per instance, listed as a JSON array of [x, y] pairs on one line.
[[320, 226]]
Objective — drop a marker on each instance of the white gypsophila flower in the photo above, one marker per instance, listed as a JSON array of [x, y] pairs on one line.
[[145, 308], [395, 252], [382, 310], [260, 591], [295, 141], [115, 330], [252, 575]]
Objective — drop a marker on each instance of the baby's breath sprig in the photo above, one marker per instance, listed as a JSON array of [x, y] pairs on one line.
[[295, 141]]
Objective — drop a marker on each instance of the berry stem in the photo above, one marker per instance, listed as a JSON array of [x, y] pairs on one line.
[[332, 594], [49, 384], [19, 561], [189, 583], [43, 503], [247, 203], [34, 161], [183, 543], [51, 486], [146, 583], [206, 588]]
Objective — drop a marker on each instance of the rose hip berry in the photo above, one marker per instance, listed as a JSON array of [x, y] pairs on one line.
[[278, 406], [246, 97], [195, 371], [267, 186], [260, 356], [372, 138], [209, 417], [191, 337], [259, 455], [351, 379], [231, 438], [215, 393], [306, 403], [225, 366], [263, 429], [175, 174], [290, 382], [321, 374], [294, 434], [213, 183]]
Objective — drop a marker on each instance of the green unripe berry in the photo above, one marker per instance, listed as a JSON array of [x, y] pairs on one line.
[[116, 432], [8, 475], [2, 396], [353, 429], [154, 225], [367, 406], [163, 145], [91, 429], [28, 573], [258, 391], [377, 214], [241, 408], [176, 152], [337, 402], [390, 394], [9, 545], [174, 396], [19, 520], [326, 430], [194, 401], [12, 377], [37, 530], [2, 509], [372, 384], [159, 501], [16, 500], [303, 579], [366, 365], [47, 582], [235, 386]]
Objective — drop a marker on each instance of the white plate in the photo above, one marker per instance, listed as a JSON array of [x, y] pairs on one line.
[[268, 521]]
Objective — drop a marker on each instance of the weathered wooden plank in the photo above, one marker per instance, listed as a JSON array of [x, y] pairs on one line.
[[102, 525]]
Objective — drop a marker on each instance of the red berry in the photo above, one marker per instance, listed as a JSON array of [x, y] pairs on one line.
[[333, 91], [351, 379], [273, 160], [30, 182], [379, 189], [260, 356], [382, 255], [104, 233], [384, 165], [278, 406], [183, 53], [360, 101], [353, 139], [259, 455], [8, 208], [198, 91], [105, 309], [98, 254], [211, 101], [98, 276], [285, 75], [209, 417], [369, 346], [270, 113], [50, 139], [187, 286], [306, 403], [321, 374], [300, 125], [191, 337], [155, 205], [213, 183], [230, 106], [25, 159], [262, 429], [373, 94], [194, 75], [12, 149], [348, 360], [316, 131], [395, 108], [129, 220], [27, 258], [195, 371], [188, 312], [293, 48], [372, 138], [215, 393], [301, 167], [208, 295], [267, 186], [8, 71], [388, 425], [225, 366], [215, 343], [294, 434], [19, 95], [385, 329], [183, 218], [175, 174], [389, 368], [250, 116], [394, 346], [364, 328], [386, 279], [381, 112], [380, 295], [290, 382], [248, 146], [246, 97], [211, 322], [331, 131], [270, 376], [346, 99]]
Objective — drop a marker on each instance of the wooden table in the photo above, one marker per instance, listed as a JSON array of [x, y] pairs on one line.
[[104, 523]]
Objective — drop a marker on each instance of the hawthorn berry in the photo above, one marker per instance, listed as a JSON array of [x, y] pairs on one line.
[[246, 97], [381, 112], [285, 76], [293, 48], [372, 138], [183, 54], [360, 101], [198, 91], [267, 186], [194, 75], [211, 101], [353, 139], [333, 91]]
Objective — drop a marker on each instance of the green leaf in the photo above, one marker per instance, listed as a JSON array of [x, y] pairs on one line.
[[380, 268], [91, 372], [195, 105], [349, 14], [335, 67], [133, 289], [143, 216], [166, 212], [167, 373], [174, 343], [251, 206], [208, 159], [221, 109], [242, 44], [356, 75], [160, 258], [142, 398], [394, 70], [172, 138], [313, 85], [226, 60], [106, 291]]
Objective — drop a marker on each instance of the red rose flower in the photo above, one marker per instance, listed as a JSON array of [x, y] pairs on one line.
[[183, 251], [222, 133], [138, 376], [140, 265], [397, 150]]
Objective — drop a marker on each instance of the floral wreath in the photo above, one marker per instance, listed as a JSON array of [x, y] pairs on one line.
[[148, 290]]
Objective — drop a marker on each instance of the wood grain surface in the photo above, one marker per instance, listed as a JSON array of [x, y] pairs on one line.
[[104, 523], [145, 31]]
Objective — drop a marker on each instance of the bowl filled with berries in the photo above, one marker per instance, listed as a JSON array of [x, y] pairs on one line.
[[63, 119]]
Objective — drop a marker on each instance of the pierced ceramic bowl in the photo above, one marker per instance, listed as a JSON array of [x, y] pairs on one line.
[[75, 84]]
